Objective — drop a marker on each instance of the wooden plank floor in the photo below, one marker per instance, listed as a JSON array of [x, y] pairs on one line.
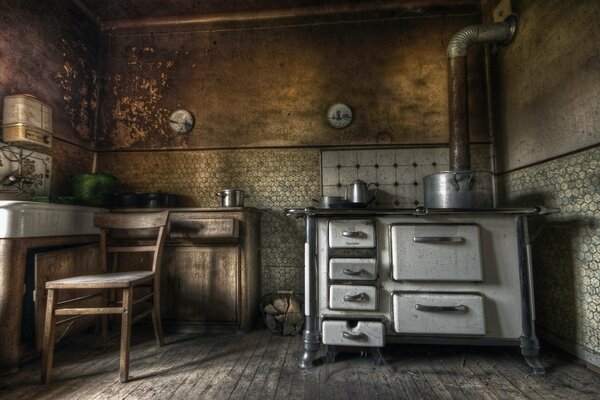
[[263, 366]]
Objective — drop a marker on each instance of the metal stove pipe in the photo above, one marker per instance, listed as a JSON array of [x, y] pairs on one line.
[[501, 33]]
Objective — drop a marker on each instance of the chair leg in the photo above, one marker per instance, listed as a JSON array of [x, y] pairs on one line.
[[104, 320], [156, 318], [126, 333], [48, 341]]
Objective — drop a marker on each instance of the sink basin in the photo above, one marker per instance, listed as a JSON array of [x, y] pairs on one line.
[[21, 219]]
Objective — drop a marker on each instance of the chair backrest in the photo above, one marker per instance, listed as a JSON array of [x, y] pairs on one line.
[[132, 221]]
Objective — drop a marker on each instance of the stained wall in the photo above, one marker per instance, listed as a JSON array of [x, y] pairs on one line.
[[51, 51], [271, 86], [548, 126], [259, 95]]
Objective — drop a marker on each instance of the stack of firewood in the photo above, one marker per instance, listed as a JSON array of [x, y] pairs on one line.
[[282, 312]]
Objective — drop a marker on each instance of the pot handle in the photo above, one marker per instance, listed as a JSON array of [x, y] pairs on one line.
[[220, 194], [454, 182], [376, 186]]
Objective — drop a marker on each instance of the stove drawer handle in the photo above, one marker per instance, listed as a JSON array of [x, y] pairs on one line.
[[460, 308], [355, 336], [438, 239], [356, 297], [348, 271], [351, 234]]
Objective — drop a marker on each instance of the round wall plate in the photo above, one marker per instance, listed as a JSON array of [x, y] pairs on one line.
[[181, 121], [339, 116]]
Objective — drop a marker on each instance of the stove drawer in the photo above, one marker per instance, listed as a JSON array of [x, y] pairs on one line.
[[353, 269], [353, 297], [439, 313], [352, 333], [344, 234], [430, 252]]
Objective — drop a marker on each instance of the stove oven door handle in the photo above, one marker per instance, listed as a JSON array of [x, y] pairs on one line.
[[351, 272], [459, 308], [355, 336], [356, 297], [438, 239], [351, 234]]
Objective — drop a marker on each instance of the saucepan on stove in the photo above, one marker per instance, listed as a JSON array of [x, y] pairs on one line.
[[330, 201]]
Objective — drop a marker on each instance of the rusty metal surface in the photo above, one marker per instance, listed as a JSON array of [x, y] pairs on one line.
[[136, 9], [458, 114], [549, 83], [49, 50], [271, 87]]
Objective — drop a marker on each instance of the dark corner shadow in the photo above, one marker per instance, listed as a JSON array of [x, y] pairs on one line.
[[555, 247]]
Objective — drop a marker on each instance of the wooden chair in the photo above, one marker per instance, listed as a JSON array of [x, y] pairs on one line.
[[125, 281]]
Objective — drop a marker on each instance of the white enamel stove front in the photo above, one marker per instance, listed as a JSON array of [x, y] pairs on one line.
[[430, 279]]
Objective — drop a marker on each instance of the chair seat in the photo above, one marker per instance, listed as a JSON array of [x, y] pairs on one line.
[[103, 281]]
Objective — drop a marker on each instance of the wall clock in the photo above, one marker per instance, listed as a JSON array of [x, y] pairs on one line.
[[339, 116], [181, 121]]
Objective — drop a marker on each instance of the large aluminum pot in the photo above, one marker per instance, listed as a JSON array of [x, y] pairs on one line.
[[232, 197], [459, 189]]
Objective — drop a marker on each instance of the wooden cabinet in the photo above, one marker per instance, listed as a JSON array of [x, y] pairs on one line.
[[59, 264], [200, 284], [211, 270], [16, 285], [210, 274]]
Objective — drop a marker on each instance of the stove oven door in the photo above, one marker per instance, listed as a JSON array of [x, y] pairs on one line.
[[436, 252]]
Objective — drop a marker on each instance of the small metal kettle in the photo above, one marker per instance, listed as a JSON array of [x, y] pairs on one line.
[[359, 192]]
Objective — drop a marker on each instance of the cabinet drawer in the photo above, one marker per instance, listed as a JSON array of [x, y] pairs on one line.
[[353, 297], [429, 252], [345, 234], [185, 227], [357, 269], [361, 333], [439, 313]]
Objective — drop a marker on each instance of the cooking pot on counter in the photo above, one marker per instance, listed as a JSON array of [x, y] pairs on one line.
[[158, 200], [232, 197], [459, 189], [127, 200]]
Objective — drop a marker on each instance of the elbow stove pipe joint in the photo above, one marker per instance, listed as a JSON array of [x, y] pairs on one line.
[[501, 33]]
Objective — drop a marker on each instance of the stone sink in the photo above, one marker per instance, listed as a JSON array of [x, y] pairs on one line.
[[21, 219]]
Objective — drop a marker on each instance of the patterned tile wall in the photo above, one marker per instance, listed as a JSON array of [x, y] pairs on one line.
[[275, 179], [566, 246], [397, 173]]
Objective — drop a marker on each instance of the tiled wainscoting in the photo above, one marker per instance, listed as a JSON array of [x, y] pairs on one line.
[[397, 173], [275, 179], [566, 246]]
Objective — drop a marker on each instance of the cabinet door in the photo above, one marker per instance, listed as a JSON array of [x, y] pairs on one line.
[[200, 283], [59, 264]]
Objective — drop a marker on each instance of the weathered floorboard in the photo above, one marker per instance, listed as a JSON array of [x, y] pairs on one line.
[[260, 365]]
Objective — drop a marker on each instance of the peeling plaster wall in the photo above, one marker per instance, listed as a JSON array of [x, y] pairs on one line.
[[49, 50], [271, 86], [549, 90], [252, 90]]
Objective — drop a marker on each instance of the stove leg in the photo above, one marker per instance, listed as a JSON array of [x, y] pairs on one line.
[[311, 349], [530, 346], [311, 336], [530, 350]]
